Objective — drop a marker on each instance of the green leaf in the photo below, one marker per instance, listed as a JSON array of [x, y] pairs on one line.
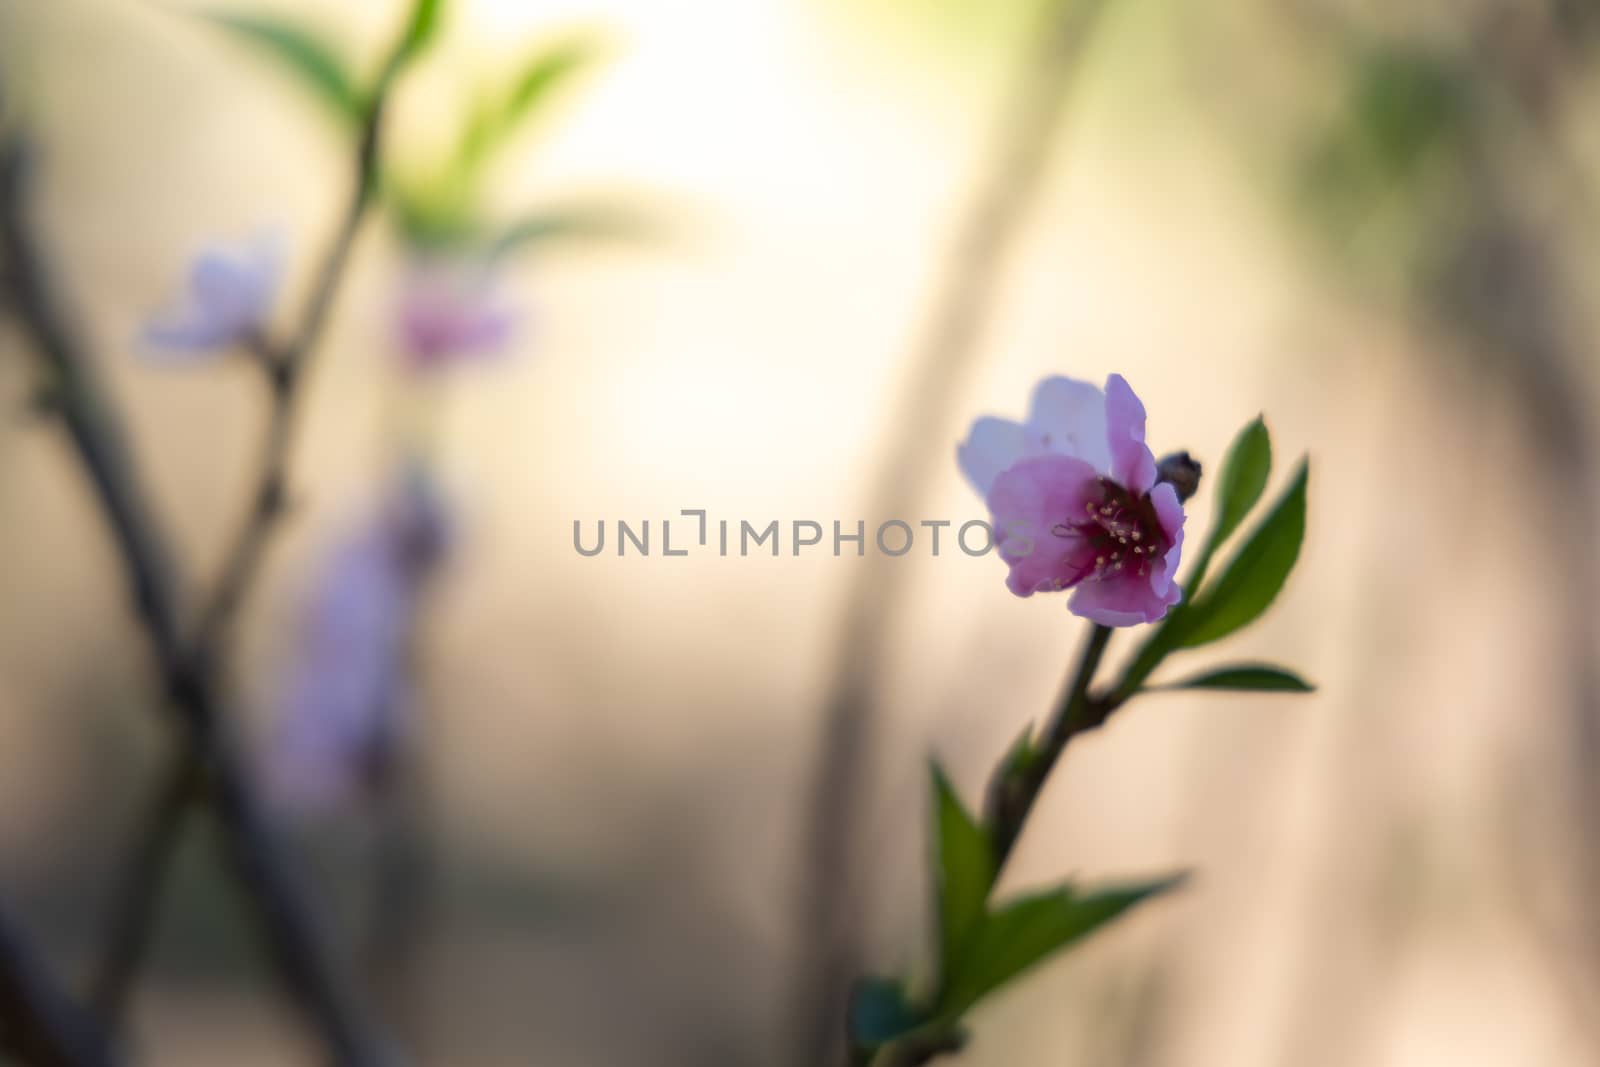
[[965, 871], [1246, 676], [879, 1012], [313, 60], [574, 223], [545, 71], [1027, 931], [1255, 575], [549, 68], [1244, 476], [421, 28], [1022, 752]]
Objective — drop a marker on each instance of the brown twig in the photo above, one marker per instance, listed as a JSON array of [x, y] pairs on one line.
[[39, 1023], [134, 903], [286, 917], [939, 368]]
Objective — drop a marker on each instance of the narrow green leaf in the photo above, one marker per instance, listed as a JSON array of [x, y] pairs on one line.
[[1256, 573], [1025, 932], [879, 1012], [312, 59], [965, 871], [1244, 476], [1246, 677]]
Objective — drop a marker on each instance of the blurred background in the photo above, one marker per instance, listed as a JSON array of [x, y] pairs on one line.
[[1375, 223]]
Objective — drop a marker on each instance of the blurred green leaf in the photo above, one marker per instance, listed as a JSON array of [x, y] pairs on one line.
[[424, 217], [1027, 931], [575, 223], [1377, 179], [1244, 676], [421, 28], [1405, 103], [880, 1012], [545, 71], [310, 58], [965, 871], [1254, 576]]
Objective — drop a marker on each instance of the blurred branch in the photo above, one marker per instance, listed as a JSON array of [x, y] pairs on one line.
[[401, 890], [39, 1023], [135, 900], [287, 919], [283, 365], [940, 366]]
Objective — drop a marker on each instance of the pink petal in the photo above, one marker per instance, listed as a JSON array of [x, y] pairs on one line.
[[1029, 504], [1132, 465], [1124, 599], [1169, 512]]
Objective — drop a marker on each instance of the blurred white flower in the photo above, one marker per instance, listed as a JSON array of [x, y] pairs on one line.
[[346, 697], [230, 294]]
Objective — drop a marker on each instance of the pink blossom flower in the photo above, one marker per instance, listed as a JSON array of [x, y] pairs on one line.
[[1075, 504], [346, 701], [231, 291], [448, 310]]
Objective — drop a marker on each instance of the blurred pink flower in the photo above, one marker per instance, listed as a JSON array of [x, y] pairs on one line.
[[1074, 501], [231, 291], [347, 696], [448, 311]]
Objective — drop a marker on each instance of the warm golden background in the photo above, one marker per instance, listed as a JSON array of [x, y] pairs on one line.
[[1373, 222]]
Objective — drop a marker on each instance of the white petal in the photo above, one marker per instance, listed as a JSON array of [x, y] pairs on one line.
[[1069, 417], [993, 446]]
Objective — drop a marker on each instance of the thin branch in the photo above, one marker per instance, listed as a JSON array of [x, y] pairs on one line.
[[285, 369], [938, 369], [287, 919], [39, 1022]]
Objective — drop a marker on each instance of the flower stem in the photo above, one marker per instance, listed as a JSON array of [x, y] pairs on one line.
[[941, 364], [1016, 785]]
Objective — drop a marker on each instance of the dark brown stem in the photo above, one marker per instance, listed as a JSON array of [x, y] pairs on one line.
[[39, 1023], [286, 917]]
